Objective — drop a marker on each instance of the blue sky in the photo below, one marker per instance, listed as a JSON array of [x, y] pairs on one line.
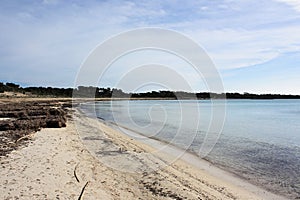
[[254, 44]]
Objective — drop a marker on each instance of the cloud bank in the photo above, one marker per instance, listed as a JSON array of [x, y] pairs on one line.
[[45, 42]]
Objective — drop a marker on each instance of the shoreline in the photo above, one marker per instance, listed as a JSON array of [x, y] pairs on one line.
[[215, 170], [58, 163], [265, 162], [191, 160]]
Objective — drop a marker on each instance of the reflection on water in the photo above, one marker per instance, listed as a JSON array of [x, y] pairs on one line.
[[260, 140]]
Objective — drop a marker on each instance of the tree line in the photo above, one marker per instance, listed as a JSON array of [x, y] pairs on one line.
[[97, 92]]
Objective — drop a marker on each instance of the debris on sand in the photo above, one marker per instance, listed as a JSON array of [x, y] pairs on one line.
[[20, 119]]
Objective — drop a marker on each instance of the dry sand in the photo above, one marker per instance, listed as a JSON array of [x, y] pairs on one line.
[[114, 166]]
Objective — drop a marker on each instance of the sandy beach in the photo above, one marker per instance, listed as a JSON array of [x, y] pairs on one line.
[[141, 100], [73, 163]]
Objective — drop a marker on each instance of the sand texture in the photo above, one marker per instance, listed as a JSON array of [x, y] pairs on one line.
[[57, 164]]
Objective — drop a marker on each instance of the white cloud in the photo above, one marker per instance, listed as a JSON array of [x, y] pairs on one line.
[[294, 3], [242, 48], [54, 35]]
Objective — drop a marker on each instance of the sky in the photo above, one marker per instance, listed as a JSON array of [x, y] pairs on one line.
[[255, 45]]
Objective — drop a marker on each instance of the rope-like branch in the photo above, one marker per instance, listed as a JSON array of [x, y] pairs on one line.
[[75, 173], [82, 191], [24, 137]]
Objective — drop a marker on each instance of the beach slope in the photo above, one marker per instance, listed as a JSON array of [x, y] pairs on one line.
[[57, 164]]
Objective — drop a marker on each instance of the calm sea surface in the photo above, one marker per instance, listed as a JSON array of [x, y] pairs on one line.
[[260, 139]]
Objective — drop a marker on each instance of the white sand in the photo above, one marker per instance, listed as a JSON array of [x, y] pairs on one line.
[[117, 168]]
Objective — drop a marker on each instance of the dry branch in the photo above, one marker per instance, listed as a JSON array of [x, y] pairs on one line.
[[24, 137], [82, 191], [75, 173]]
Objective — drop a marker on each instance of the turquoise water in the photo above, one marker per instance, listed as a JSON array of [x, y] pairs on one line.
[[260, 139]]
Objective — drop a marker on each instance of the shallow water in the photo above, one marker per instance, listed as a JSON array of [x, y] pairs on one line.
[[260, 140]]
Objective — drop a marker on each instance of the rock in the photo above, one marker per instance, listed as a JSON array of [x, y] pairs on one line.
[[6, 125], [54, 123], [56, 111], [28, 117], [23, 115]]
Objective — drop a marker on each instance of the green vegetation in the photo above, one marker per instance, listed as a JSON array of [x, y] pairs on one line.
[[90, 91]]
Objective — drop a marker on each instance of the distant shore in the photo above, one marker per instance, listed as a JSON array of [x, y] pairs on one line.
[[58, 163], [14, 90]]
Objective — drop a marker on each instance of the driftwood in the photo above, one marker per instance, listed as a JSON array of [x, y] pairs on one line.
[[82, 191], [75, 173], [24, 137]]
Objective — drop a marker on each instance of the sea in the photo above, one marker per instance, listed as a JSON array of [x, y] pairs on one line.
[[257, 140]]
